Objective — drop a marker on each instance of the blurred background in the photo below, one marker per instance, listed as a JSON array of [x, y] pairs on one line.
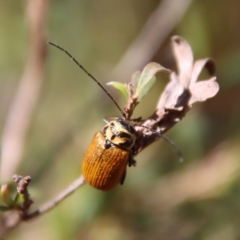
[[50, 110]]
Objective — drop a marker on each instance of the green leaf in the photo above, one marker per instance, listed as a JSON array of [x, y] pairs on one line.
[[4, 208], [19, 199], [122, 88], [147, 78], [135, 80]]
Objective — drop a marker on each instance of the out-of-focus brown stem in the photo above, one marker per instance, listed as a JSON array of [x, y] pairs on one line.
[[29, 90], [159, 25]]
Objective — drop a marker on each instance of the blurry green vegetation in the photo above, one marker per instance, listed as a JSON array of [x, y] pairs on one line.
[[72, 107]]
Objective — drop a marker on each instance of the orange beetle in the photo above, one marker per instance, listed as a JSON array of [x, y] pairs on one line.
[[105, 162]]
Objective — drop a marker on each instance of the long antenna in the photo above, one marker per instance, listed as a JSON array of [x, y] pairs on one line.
[[90, 75], [159, 133], [173, 145]]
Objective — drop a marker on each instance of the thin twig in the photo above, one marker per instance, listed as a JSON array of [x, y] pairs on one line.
[[60, 197]]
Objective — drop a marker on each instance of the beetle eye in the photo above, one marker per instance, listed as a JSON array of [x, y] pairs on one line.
[[112, 137]]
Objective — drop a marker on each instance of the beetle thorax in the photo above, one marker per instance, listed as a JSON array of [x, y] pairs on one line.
[[120, 133]]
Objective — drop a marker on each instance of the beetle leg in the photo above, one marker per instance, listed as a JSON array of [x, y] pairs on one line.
[[123, 178], [131, 161]]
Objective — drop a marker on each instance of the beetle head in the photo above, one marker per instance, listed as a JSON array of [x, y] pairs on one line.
[[120, 133]]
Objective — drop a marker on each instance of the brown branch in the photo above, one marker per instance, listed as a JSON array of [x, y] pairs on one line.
[[9, 221], [27, 95]]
